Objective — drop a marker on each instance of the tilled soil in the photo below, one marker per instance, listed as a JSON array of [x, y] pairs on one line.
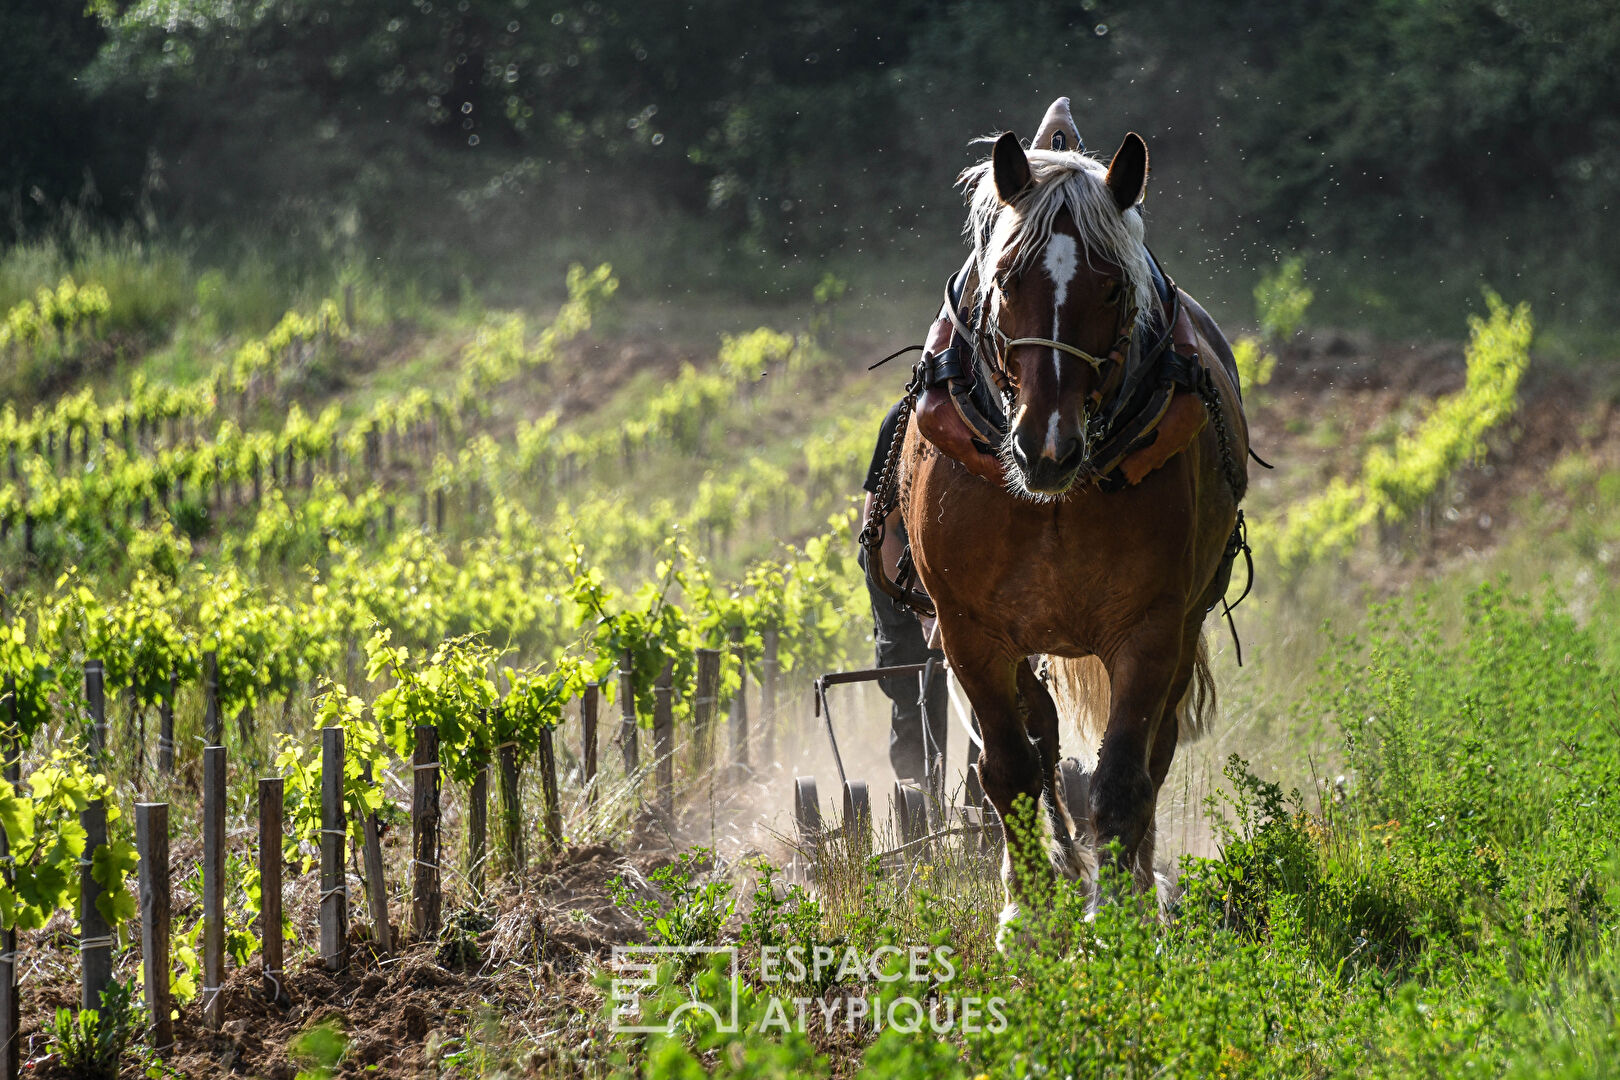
[[529, 959]]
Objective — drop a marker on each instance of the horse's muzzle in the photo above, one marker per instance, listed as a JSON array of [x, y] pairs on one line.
[[1047, 470]]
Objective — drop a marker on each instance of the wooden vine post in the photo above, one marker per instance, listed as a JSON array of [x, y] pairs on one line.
[[425, 833], [511, 807], [10, 1002], [211, 723], [213, 875], [334, 833], [587, 751], [548, 791], [705, 697], [628, 738], [478, 829], [95, 936], [739, 705], [664, 738], [95, 700], [376, 877], [769, 680], [272, 795], [152, 846]]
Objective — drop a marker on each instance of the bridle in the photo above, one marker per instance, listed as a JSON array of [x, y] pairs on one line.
[[1116, 356], [1111, 367], [993, 347], [1127, 404]]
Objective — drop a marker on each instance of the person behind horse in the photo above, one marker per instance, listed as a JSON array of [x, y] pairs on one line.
[[898, 638]]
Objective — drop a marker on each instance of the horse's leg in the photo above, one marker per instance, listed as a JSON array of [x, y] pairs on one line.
[[1009, 767], [1165, 740], [1160, 757], [1041, 722], [1124, 789]]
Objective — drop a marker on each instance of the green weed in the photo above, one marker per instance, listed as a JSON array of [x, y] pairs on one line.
[[686, 911], [90, 1043]]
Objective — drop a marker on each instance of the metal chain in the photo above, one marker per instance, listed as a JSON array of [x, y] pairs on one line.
[[1212, 405], [888, 488]]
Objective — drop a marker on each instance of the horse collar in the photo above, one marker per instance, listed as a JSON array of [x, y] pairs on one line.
[[1126, 405]]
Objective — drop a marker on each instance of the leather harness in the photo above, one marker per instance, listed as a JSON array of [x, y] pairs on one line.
[[1135, 395], [1150, 407]]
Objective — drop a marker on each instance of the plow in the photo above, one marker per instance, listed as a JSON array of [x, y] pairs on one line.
[[922, 812], [922, 809]]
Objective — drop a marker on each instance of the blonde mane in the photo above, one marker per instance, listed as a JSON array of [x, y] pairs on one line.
[[1063, 178]]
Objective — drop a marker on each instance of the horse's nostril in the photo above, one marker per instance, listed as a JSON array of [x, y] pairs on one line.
[[1069, 454], [1020, 453]]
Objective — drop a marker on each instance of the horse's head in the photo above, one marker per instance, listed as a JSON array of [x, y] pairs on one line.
[[1063, 281]]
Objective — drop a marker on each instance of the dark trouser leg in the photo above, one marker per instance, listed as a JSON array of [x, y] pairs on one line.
[[899, 640]]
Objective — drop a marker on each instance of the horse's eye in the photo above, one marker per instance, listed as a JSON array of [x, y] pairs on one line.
[[1115, 290]]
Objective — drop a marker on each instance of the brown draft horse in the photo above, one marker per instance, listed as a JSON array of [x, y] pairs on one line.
[[1052, 565]]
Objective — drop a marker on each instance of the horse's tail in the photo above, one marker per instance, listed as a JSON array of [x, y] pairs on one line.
[[1195, 712], [1080, 690]]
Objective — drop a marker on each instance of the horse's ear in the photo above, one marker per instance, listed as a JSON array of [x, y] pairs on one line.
[[1127, 173], [1011, 167]]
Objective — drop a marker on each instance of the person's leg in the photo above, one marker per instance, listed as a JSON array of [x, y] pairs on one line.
[[898, 639]]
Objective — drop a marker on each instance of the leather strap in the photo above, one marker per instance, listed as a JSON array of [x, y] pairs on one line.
[[955, 288], [884, 501], [1096, 364]]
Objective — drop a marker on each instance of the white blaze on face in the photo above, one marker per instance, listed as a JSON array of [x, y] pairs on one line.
[[1061, 260]]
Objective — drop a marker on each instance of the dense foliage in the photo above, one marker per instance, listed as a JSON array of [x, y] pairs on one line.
[[1447, 908], [1432, 143]]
